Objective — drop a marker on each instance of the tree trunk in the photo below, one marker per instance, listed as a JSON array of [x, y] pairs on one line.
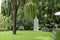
[[14, 11], [14, 18], [6, 13], [14, 2]]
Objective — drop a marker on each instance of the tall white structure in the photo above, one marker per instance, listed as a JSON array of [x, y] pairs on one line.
[[36, 24]]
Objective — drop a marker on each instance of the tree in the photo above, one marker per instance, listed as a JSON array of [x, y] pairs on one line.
[[12, 8], [15, 5], [29, 13], [4, 7], [30, 10]]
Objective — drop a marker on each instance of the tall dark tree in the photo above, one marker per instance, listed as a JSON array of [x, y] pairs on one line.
[[15, 6]]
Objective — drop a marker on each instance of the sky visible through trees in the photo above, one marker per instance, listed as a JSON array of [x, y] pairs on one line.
[[0, 5]]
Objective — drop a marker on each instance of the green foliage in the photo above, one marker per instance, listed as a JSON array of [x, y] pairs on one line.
[[2, 29], [6, 8], [20, 17], [5, 22], [9, 21], [28, 9], [57, 35], [1, 20]]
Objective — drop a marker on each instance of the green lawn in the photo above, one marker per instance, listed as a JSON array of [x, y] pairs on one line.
[[26, 35]]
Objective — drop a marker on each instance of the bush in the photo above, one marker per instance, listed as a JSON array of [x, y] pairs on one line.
[[2, 29], [57, 35]]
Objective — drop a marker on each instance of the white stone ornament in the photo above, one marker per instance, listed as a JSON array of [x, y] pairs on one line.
[[36, 24]]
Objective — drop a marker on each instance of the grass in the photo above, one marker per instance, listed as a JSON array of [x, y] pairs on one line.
[[26, 35]]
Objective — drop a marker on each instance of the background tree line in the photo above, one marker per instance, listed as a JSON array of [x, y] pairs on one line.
[[28, 9]]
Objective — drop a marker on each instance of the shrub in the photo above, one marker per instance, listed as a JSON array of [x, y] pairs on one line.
[[2, 29], [57, 35]]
